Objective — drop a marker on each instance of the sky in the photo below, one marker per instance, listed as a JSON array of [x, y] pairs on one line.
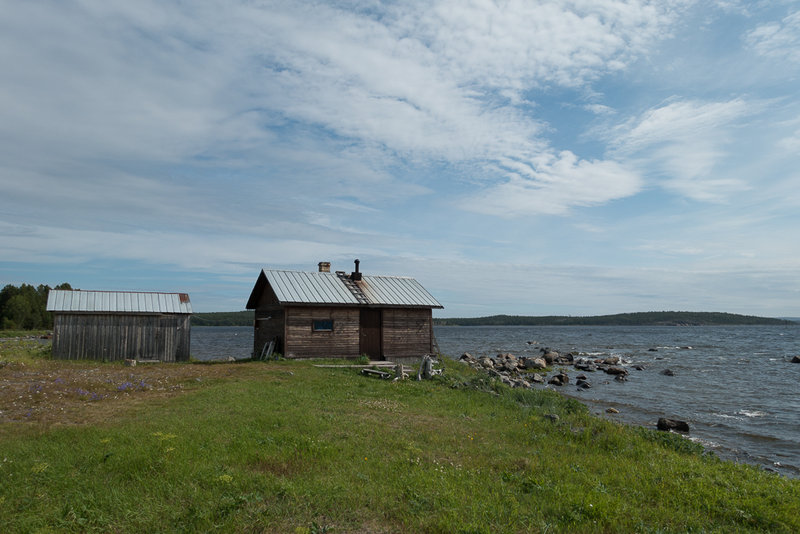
[[519, 157]]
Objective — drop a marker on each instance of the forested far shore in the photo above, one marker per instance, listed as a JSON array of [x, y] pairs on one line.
[[663, 318], [240, 318], [245, 318], [25, 307]]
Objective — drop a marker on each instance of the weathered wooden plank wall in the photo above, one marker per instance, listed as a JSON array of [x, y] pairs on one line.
[[302, 342], [114, 337], [407, 332]]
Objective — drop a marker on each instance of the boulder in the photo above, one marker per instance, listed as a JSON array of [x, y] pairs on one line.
[[535, 363], [616, 370], [585, 365], [549, 355], [612, 410], [611, 360], [467, 357], [639, 367], [536, 378], [559, 380], [667, 372], [672, 424], [486, 362], [583, 383], [552, 417], [796, 359]]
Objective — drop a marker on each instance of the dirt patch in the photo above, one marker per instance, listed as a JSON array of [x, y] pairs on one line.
[[54, 392]]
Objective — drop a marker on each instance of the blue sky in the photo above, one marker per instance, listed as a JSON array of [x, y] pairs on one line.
[[534, 158]]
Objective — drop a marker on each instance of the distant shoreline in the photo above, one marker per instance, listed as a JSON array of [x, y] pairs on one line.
[[245, 318], [621, 319]]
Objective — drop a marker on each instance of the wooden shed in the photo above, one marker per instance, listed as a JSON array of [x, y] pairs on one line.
[[338, 315], [118, 325]]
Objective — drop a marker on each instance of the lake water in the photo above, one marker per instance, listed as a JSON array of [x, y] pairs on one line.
[[735, 386]]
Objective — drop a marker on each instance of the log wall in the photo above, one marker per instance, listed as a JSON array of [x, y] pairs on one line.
[[113, 337], [407, 332], [303, 342]]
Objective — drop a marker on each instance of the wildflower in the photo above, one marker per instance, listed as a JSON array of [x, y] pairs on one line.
[[169, 449], [225, 479], [105, 440]]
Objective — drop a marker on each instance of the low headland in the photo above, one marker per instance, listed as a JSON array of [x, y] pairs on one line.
[[662, 318], [284, 446]]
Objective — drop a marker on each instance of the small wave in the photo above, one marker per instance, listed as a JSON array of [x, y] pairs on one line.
[[751, 413], [705, 442], [725, 416]]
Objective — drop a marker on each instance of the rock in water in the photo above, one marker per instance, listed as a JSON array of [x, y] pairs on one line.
[[672, 424], [667, 372], [796, 359]]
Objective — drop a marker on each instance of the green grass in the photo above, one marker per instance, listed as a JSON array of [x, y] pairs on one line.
[[287, 447]]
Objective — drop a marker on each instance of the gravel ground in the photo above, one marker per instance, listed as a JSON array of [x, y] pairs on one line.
[[53, 392]]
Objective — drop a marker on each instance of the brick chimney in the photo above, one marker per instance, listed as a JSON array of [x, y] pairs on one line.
[[324, 266]]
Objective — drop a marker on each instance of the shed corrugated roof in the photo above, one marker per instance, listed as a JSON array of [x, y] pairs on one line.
[[294, 287], [59, 300]]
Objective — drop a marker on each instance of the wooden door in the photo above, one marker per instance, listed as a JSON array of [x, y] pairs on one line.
[[370, 333]]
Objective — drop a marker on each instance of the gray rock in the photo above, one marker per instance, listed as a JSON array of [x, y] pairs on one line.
[[559, 380], [552, 417], [536, 378], [616, 370], [672, 424], [535, 363], [611, 360], [796, 359], [667, 372]]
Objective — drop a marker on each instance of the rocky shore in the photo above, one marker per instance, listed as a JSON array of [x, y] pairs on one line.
[[526, 372], [552, 368]]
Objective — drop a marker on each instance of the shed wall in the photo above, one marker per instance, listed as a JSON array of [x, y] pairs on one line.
[[407, 332], [113, 337], [303, 342]]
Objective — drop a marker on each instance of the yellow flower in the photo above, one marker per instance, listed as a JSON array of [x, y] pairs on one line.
[[225, 479], [105, 440]]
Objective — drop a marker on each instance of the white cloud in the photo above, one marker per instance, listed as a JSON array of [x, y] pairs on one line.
[[685, 141], [778, 40], [553, 184]]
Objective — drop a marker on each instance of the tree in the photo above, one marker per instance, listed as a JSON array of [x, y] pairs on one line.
[[25, 307]]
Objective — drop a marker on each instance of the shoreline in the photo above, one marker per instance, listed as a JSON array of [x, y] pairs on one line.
[[513, 373]]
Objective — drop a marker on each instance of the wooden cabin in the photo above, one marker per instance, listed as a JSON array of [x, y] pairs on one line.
[[337, 315], [119, 325]]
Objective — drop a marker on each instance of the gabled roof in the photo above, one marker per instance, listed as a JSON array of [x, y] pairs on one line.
[[59, 300], [295, 287]]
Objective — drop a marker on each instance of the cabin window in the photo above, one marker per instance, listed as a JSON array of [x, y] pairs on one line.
[[323, 325]]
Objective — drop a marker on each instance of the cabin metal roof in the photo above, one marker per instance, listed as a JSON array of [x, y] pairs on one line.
[[294, 287], [78, 301]]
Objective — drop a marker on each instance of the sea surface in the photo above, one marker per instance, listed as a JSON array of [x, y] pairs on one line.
[[735, 386]]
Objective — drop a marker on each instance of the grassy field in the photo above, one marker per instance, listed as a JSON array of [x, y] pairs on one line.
[[288, 447]]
